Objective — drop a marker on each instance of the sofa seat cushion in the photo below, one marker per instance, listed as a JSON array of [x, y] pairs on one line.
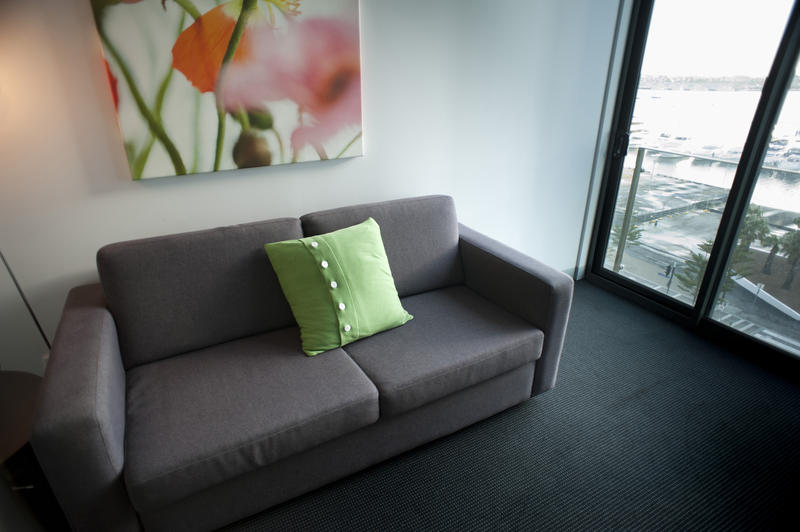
[[201, 418], [456, 339]]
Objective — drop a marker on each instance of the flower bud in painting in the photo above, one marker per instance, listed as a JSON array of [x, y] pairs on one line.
[[251, 150], [260, 119]]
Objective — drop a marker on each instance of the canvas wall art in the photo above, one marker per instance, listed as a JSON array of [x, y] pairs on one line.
[[203, 85]]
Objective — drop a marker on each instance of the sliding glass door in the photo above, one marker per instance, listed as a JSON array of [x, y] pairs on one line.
[[760, 293], [702, 84]]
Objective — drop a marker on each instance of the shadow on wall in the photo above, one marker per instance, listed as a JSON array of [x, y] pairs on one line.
[[22, 347], [73, 35]]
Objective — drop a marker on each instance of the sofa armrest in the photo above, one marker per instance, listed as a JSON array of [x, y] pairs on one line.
[[524, 286], [79, 428]]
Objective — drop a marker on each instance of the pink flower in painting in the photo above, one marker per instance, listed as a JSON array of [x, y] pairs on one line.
[[315, 63]]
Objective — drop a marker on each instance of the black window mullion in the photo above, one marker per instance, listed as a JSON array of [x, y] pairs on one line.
[[641, 14], [623, 112], [769, 106]]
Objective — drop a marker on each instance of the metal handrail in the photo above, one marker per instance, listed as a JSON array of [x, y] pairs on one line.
[[706, 158]]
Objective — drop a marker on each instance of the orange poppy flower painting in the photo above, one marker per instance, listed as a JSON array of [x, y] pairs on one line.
[[204, 85]]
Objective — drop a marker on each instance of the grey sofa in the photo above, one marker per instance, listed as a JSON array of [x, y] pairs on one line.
[[177, 397]]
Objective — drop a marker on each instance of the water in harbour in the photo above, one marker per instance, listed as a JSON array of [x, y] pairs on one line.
[[706, 130]]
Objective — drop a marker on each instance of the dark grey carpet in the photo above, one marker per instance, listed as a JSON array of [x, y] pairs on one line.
[[649, 427]]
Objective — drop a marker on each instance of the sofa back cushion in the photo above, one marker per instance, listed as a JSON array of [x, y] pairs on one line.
[[178, 293], [420, 236]]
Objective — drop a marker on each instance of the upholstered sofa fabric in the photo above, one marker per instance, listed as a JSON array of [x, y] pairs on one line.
[[79, 432], [420, 236], [201, 418], [525, 287], [178, 293], [457, 339], [300, 473]]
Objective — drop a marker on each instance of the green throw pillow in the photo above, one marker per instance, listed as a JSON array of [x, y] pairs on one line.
[[339, 286]]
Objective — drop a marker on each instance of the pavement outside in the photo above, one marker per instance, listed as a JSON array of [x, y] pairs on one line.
[[675, 216]]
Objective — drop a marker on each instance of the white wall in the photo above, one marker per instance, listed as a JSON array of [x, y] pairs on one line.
[[603, 137], [495, 102]]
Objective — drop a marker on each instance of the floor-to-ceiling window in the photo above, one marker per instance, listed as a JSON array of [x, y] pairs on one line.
[[760, 293], [701, 203]]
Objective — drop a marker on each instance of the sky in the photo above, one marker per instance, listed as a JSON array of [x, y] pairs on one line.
[[714, 37]]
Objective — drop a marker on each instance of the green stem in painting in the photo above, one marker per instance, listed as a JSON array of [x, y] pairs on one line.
[[244, 120], [190, 8], [358, 136], [221, 115], [141, 159], [162, 91], [137, 167], [196, 128], [155, 125], [233, 43]]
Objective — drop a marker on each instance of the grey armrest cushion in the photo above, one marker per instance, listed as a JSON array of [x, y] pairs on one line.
[[524, 286], [79, 430]]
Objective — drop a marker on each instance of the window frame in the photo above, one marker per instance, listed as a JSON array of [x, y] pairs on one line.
[[773, 93]]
